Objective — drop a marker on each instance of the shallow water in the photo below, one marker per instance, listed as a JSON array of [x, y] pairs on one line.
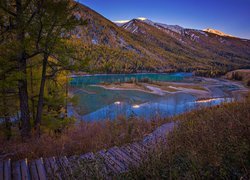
[[96, 103]]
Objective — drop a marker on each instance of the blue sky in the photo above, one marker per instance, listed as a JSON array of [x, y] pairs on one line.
[[229, 16]]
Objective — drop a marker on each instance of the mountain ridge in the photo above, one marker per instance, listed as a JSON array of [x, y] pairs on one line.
[[141, 45], [176, 27]]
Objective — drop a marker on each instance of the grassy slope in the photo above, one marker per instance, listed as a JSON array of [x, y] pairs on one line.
[[209, 143], [74, 140], [118, 50], [240, 75]]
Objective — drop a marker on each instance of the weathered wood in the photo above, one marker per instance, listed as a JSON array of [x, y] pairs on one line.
[[117, 160], [33, 171], [88, 156], [135, 150], [113, 161], [7, 170], [66, 161], [109, 163], [55, 169], [130, 161], [62, 167], [131, 152], [25, 170], [141, 149], [1, 170], [40, 169], [65, 166], [123, 159], [16, 170], [48, 168]]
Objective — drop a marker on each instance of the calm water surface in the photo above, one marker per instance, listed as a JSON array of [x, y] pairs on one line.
[[96, 103]]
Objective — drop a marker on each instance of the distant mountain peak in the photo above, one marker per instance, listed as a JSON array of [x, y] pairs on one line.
[[122, 22], [217, 32], [132, 27], [142, 18]]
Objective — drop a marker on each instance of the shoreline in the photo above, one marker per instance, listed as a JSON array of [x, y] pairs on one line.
[[111, 74], [157, 90]]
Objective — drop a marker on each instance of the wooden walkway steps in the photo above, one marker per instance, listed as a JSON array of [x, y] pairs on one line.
[[104, 163]]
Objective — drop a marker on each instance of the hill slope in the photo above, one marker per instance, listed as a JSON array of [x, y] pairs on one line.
[[142, 45]]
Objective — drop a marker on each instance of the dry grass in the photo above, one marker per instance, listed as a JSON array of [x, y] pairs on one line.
[[142, 86], [78, 139], [240, 75], [181, 85], [209, 143]]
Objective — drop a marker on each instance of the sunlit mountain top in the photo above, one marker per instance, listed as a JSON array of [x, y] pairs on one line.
[[217, 32]]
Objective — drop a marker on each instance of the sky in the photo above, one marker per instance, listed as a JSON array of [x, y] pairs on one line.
[[230, 16]]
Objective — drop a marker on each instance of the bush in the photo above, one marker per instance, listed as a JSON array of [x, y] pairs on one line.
[[59, 139], [212, 143]]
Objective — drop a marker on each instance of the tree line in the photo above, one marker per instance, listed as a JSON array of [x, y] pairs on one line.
[[34, 57]]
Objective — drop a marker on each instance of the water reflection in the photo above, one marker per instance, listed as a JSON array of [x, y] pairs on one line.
[[96, 103]]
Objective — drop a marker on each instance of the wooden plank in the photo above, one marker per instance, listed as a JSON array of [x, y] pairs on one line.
[[55, 169], [40, 169], [67, 163], [130, 161], [109, 163], [133, 154], [65, 166], [25, 170], [122, 158], [1, 170], [116, 159], [62, 167], [33, 171], [16, 171], [7, 170], [88, 156], [139, 148], [48, 168], [135, 150]]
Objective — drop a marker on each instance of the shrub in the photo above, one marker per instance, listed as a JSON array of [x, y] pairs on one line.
[[212, 143]]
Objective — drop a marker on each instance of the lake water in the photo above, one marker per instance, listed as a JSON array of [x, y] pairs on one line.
[[96, 103]]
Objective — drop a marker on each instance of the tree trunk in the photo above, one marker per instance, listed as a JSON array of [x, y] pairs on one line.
[[8, 132], [67, 92], [41, 95], [22, 82], [32, 94], [7, 121], [24, 105]]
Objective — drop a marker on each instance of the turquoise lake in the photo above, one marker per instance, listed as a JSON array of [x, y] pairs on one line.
[[96, 103]]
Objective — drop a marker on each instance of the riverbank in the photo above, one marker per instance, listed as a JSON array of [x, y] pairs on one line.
[[200, 87], [158, 88]]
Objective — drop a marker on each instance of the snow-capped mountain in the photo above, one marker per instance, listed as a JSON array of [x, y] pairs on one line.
[[143, 45], [121, 23], [217, 32], [127, 23]]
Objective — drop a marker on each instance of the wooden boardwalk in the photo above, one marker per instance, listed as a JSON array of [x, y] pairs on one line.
[[103, 164]]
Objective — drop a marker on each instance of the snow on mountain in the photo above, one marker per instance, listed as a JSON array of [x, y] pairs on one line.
[[126, 25], [175, 28], [121, 23], [142, 18], [217, 32], [172, 28]]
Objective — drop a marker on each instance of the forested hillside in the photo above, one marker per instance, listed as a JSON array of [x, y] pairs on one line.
[[142, 45]]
